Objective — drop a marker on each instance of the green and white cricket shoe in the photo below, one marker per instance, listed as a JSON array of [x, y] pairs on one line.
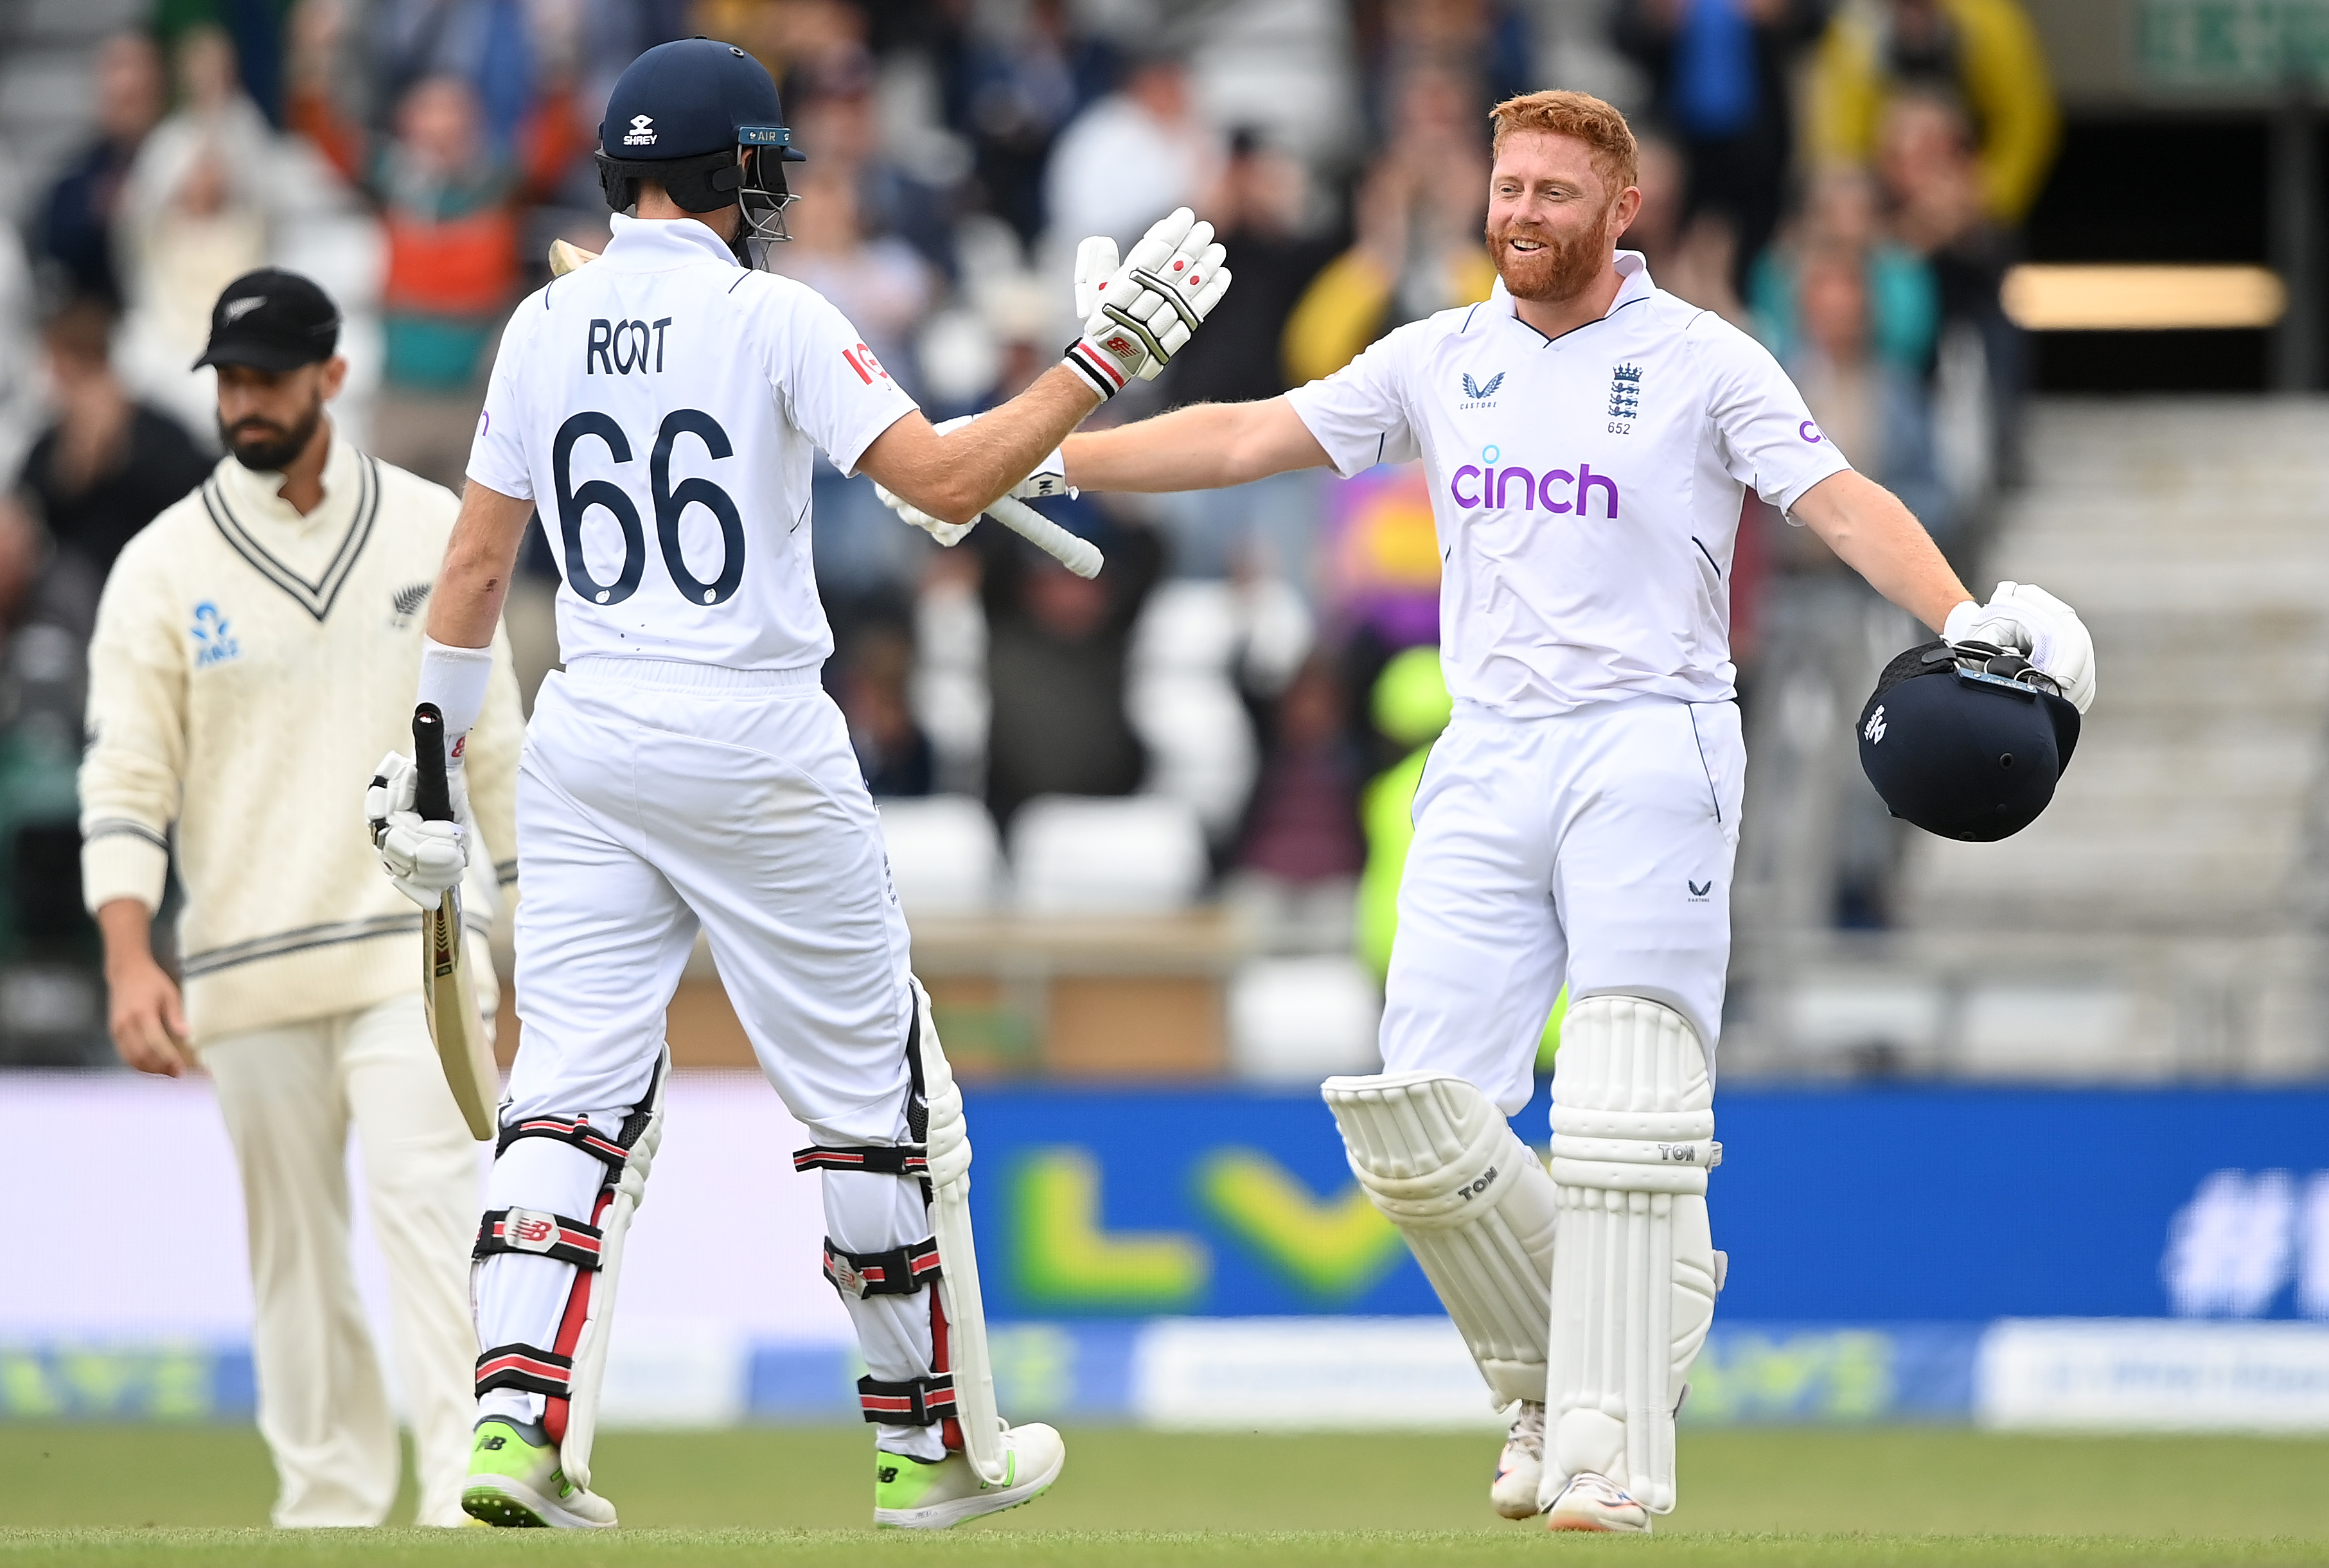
[[911, 1494], [516, 1482]]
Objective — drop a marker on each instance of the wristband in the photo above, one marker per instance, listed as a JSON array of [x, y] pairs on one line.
[[1097, 372], [454, 679]]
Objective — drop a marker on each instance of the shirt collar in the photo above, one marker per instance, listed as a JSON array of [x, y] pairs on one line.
[[1633, 283], [656, 244], [254, 491]]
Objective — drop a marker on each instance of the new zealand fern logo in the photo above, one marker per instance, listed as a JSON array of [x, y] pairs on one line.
[[1475, 395]]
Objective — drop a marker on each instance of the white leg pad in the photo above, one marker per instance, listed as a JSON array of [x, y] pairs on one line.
[[1474, 1203], [1634, 1286]]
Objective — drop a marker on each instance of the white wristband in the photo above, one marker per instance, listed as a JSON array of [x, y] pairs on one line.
[[454, 679]]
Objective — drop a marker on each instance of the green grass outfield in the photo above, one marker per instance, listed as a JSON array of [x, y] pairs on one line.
[[131, 1497]]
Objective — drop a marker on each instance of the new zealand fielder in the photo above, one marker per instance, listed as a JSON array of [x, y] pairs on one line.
[[659, 407], [1588, 439]]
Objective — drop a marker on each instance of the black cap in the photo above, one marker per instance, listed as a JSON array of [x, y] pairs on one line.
[[272, 320], [1966, 742]]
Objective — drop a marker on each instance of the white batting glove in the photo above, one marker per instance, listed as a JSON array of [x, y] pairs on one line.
[[423, 859], [2042, 628], [1145, 310]]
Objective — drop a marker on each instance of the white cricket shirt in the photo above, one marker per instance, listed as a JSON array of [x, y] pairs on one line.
[[659, 407], [1585, 488]]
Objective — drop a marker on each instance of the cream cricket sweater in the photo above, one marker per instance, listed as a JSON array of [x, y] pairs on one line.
[[249, 668]]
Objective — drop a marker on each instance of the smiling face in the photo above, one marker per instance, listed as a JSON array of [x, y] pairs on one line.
[[1553, 218]]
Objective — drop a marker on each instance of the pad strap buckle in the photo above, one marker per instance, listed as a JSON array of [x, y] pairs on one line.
[[879, 1160], [899, 1272], [527, 1368], [537, 1233], [916, 1402], [573, 1130]]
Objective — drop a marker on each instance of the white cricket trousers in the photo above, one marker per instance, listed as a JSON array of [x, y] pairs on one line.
[[288, 1095], [1593, 850], [655, 797]]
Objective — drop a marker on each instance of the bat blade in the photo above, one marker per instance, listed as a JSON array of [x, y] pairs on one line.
[[447, 993], [566, 256]]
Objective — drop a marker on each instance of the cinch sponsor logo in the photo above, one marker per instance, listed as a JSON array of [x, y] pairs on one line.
[[1554, 490]]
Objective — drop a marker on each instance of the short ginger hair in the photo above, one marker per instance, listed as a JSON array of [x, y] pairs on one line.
[[1599, 125]]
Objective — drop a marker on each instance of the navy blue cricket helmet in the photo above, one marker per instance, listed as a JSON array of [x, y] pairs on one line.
[[701, 119], [1965, 741]]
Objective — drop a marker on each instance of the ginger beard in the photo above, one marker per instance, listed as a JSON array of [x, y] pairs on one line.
[[1561, 266]]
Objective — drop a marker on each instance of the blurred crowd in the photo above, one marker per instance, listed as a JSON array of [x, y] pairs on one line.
[[1842, 178]]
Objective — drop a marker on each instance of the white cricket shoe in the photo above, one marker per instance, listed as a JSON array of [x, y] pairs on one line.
[[1519, 1468], [1591, 1502], [911, 1494]]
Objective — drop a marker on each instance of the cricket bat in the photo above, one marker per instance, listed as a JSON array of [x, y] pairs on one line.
[[447, 992]]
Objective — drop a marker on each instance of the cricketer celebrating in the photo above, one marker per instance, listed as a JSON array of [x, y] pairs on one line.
[[1587, 438], [255, 641], [686, 771]]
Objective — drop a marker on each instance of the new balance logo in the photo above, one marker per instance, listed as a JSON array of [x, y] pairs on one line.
[[494, 1444]]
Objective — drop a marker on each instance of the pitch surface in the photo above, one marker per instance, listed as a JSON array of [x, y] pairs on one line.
[[130, 1498]]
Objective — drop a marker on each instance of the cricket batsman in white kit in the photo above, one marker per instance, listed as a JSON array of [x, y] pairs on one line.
[[1588, 439], [659, 407]]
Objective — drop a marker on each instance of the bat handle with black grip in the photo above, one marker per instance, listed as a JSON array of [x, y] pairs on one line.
[[432, 795]]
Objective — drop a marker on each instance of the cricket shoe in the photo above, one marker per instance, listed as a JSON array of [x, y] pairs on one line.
[[1519, 1468], [1591, 1502], [911, 1494], [516, 1482]]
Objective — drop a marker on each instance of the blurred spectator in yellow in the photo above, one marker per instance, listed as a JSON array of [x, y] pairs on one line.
[[1130, 158], [1871, 407], [449, 198], [1418, 218], [103, 470], [1057, 646], [1904, 302], [73, 230], [1719, 73], [193, 219], [1984, 54], [1410, 705]]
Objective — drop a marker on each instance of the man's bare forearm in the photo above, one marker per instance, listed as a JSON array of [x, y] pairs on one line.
[[960, 474], [1202, 448], [1881, 540], [467, 604]]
